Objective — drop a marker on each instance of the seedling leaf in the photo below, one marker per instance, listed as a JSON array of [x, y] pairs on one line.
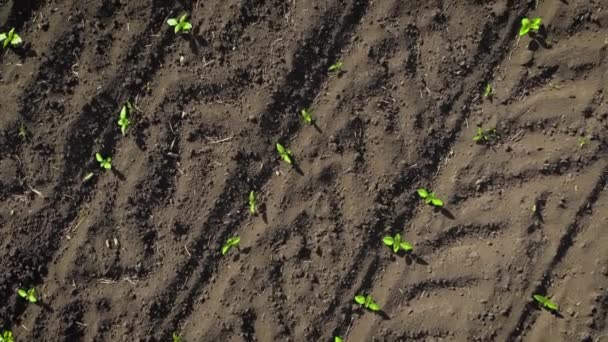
[[489, 91], [338, 339], [360, 299], [388, 241], [231, 242], [7, 336], [252, 203], [22, 293], [336, 66], [307, 116], [423, 193], [528, 25], [373, 306], [176, 337], [29, 295], [180, 25], [546, 302], [172, 22], [437, 202], [105, 163], [123, 120]]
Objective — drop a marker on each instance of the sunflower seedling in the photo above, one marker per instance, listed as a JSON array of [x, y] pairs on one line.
[[284, 153], [430, 198], [397, 244], [545, 302], [528, 25], [485, 136], [181, 25], [176, 337], [488, 92], [231, 242], [367, 302], [307, 116], [29, 295], [23, 134], [253, 206], [10, 38], [336, 66], [582, 142], [338, 339], [6, 336], [105, 163], [123, 120]]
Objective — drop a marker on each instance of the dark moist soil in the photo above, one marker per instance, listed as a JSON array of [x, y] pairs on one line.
[[133, 254]]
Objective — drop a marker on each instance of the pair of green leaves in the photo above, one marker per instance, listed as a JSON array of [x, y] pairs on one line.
[[10, 38], [105, 163], [484, 136], [23, 134], [338, 339], [307, 116], [181, 25], [6, 336], [231, 242], [397, 244], [546, 302], [430, 198], [488, 91], [176, 337], [123, 120], [336, 66], [29, 295], [528, 25], [367, 302], [284, 153]]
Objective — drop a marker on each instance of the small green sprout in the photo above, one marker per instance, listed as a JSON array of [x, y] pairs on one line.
[[582, 142], [23, 134], [429, 198], [528, 25], [367, 302], [123, 120], [284, 153], [6, 336], [231, 242], [336, 66], [10, 38], [176, 337], [485, 136], [397, 243], [181, 25], [545, 302], [29, 295], [105, 163], [307, 116], [338, 339], [253, 206], [488, 91]]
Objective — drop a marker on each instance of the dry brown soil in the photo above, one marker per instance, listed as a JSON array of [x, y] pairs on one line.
[[133, 254]]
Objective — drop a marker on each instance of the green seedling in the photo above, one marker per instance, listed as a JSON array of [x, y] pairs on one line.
[[7, 336], [396, 243], [582, 142], [338, 339], [284, 153], [367, 302], [180, 25], [484, 136], [10, 38], [528, 25], [105, 163], [336, 66], [253, 206], [23, 132], [546, 303], [488, 92], [176, 337], [307, 116], [123, 120], [231, 242], [29, 295], [430, 198]]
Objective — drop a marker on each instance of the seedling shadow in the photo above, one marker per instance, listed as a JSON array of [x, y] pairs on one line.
[[118, 174], [317, 128], [445, 212], [538, 39], [296, 166], [382, 314], [411, 258], [45, 307], [262, 211], [195, 42]]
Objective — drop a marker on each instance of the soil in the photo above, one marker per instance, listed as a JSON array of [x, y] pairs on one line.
[[133, 254]]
